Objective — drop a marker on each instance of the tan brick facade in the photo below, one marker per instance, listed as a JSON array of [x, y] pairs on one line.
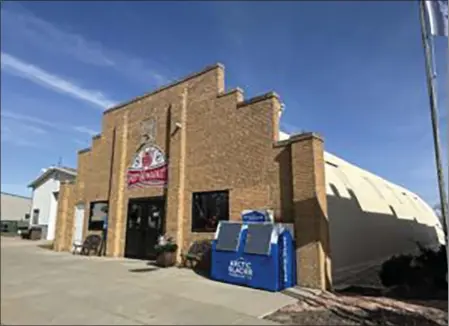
[[224, 143], [64, 226]]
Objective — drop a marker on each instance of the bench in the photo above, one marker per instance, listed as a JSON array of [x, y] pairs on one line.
[[91, 243], [195, 253]]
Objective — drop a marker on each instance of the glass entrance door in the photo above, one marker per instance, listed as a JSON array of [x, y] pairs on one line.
[[144, 226]]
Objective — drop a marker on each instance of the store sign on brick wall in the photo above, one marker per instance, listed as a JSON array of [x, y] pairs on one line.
[[149, 166]]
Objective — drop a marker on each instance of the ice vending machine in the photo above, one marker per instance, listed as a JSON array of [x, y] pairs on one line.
[[258, 255]]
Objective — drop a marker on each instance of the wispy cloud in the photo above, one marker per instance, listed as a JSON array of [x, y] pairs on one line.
[[17, 138], [289, 128], [26, 118], [81, 143], [22, 134], [20, 142], [85, 130], [22, 118], [35, 30], [20, 127], [35, 129], [40, 76], [28, 131], [43, 33]]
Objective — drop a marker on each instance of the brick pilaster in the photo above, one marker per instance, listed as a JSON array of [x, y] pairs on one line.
[[181, 181], [310, 212], [64, 218], [120, 218]]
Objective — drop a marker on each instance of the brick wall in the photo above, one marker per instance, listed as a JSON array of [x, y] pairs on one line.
[[228, 145], [225, 143]]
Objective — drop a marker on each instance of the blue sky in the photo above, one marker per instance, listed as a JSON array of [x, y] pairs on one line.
[[351, 71]]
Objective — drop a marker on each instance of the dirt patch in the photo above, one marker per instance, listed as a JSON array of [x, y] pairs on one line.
[[345, 309]]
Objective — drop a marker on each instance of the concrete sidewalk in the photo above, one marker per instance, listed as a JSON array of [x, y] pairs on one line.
[[39, 286]]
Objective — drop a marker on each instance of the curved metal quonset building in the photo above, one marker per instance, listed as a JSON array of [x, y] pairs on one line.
[[371, 218]]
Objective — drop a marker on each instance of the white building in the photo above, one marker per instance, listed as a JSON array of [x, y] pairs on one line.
[[45, 195], [14, 207], [14, 212]]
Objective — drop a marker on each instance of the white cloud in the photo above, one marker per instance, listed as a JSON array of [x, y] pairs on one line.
[[34, 30], [82, 143], [42, 77], [26, 118], [18, 140], [23, 135], [28, 131], [289, 128], [85, 130], [34, 129], [38, 31], [37, 121]]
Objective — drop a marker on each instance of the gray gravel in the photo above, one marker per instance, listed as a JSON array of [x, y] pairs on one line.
[[326, 308], [376, 317], [365, 306], [310, 318]]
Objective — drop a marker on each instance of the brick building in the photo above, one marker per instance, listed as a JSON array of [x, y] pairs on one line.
[[188, 155]]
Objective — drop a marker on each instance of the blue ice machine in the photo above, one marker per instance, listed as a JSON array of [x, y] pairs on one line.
[[256, 254]]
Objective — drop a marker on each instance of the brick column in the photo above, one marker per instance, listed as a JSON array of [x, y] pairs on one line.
[[64, 218], [70, 217], [120, 219], [61, 218], [310, 212], [181, 181]]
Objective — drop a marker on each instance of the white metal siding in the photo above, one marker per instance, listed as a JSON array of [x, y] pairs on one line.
[[51, 225], [42, 200], [14, 208], [45, 200]]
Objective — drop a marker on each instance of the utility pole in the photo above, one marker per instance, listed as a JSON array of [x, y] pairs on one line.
[[431, 86]]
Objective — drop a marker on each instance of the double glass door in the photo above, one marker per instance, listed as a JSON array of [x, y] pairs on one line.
[[144, 226]]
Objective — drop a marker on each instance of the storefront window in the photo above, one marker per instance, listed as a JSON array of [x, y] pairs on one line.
[[97, 215], [208, 208]]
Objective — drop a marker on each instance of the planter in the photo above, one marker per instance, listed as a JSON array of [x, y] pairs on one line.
[[166, 259]]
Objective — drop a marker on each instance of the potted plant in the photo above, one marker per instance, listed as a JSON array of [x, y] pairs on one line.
[[166, 251]]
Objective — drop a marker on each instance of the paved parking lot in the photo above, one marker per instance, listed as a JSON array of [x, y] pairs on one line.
[[40, 286]]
